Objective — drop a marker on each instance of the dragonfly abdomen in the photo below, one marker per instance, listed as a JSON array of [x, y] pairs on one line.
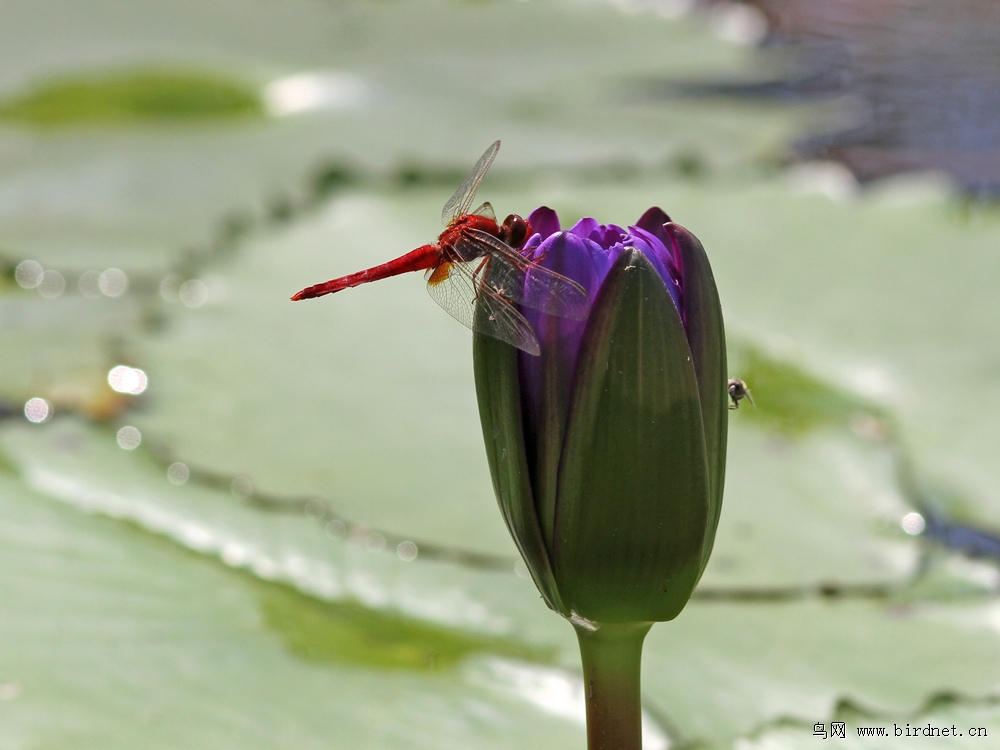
[[420, 259]]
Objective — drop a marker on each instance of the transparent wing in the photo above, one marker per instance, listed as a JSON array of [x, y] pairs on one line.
[[486, 210], [460, 202], [458, 288], [510, 275]]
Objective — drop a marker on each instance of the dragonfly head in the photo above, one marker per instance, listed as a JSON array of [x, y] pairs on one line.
[[515, 231]]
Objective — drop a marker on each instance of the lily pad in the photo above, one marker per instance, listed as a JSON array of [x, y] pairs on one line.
[[135, 96], [772, 660], [111, 639]]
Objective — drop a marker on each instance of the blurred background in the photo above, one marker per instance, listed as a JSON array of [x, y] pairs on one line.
[[229, 520]]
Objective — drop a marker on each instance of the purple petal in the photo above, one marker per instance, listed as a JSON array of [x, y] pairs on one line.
[[652, 221], [607, 236], [612, 235], [581, 260], [545, 221], [585, 254], [662, 260]]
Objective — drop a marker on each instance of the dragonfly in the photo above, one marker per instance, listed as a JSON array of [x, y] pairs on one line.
[[477, 272]]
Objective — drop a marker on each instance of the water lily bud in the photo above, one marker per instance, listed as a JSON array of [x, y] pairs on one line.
[[608, 450]]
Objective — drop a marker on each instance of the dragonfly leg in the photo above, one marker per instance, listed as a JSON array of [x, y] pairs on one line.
[[537, 260], [479, 274]]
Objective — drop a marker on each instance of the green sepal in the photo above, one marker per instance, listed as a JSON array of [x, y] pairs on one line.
[[499, 395], [633, 503], [707, 340]]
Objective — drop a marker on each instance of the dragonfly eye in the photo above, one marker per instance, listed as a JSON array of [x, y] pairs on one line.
[[515, 231]]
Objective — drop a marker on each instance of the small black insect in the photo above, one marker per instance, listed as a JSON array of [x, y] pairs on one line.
[[737, 392]]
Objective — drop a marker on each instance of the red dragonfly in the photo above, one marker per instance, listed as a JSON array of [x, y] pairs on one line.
[[476, 263]]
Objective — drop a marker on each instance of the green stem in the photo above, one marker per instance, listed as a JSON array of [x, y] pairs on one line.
[[612, 655]]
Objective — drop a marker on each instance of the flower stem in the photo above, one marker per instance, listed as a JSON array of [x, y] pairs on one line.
[[612, 655]]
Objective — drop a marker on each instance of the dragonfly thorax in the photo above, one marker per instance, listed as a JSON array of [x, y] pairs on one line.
[[453, 240]]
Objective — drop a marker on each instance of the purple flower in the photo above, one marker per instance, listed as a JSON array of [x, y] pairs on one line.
[[608, 449]]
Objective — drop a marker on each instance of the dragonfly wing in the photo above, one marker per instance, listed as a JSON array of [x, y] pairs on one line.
[[454, 291], [486, 210], [461, 201], [555, 294], [457, 288], [511, 275]]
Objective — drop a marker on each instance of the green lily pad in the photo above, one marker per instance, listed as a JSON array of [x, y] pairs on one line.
[[111, 639], [134, 96], [757, 665], [772, 660]]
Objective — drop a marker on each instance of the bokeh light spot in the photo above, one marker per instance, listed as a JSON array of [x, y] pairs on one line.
[[193, 293], [913, 524], [112, 282], [52, 284], [129, 437], [37, 410], [89, 284], [178, 473], [28, 274], [125, 379], [738, 23], [170, 287], [308, 92], [336, 529], [407, 551]]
